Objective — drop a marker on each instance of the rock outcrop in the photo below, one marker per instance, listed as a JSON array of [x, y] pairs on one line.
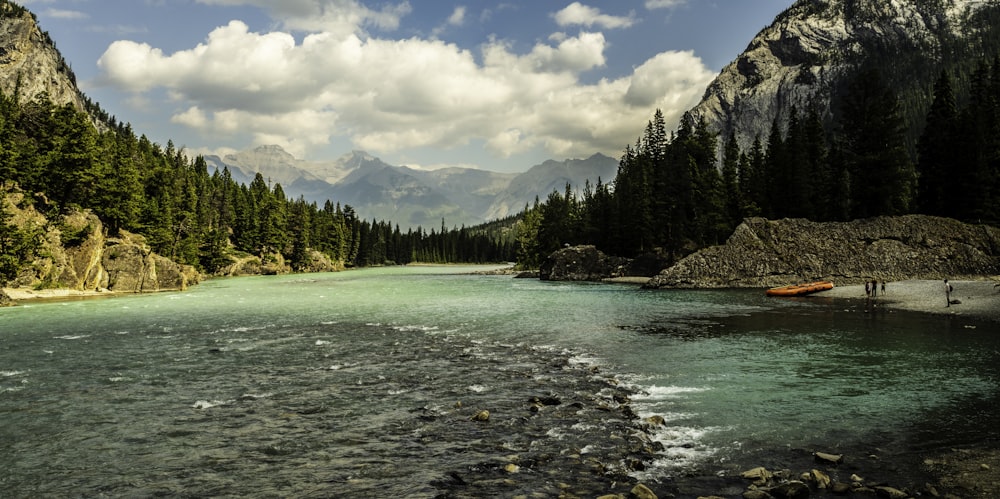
[[30, 63], [802, 58], [131, 266], [764, 253], [76, 254], [581, 263]]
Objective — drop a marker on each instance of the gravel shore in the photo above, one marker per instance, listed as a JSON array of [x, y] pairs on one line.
[[979, 299]]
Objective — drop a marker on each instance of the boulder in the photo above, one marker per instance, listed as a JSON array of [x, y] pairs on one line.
[[790, 490], [820, 479], [641, 491], [891, 493], [581, 263], [759, 475], [827, 458], [656, 420]]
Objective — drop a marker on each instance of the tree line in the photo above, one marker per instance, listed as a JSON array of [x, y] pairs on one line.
[[671, 195], [58, 155]]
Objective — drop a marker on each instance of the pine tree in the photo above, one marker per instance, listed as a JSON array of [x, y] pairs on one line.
[[527, 237], [873, 144], [937, 150], [730, 181]]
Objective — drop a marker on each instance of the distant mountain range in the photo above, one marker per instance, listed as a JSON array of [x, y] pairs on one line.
[[411, 197]]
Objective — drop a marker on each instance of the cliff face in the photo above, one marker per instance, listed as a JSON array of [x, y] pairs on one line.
[[30, 63], [76, 255], [806, 53], [766, 253]]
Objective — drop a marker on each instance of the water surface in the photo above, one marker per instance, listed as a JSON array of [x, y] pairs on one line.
[[364, 382]]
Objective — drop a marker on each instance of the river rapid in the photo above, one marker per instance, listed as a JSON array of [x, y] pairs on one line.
[[366, 383]]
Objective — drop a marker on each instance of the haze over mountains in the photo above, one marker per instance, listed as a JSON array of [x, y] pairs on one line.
[[412, 197]]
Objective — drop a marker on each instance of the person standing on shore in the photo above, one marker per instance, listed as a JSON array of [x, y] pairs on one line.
[[947, 292]]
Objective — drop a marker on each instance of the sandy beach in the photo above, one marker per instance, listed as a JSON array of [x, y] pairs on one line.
[[28, 294], [979, 299]]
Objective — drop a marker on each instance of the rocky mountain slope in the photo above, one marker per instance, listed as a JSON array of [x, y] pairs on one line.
[[805, 55], [766, 253], [409, 196], [30, 63]]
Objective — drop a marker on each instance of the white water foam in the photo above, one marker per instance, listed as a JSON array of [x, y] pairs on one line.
[[255, 396], [73, 337], [684, 445], [206, 404], [654, 393]]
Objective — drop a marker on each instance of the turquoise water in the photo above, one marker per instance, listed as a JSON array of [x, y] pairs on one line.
[[363, 382]]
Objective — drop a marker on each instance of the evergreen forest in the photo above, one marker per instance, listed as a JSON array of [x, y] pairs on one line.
[[671, 197], [57, 154]]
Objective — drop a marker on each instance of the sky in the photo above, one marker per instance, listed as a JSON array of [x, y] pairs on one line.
[[499, 85]]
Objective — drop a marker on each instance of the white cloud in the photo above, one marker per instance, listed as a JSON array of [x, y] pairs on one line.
[[390, 95], [664, 4], [457, 17], [577, 14], [335, 16], [65, 14]]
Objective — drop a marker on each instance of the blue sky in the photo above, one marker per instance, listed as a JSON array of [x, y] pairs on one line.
[[499, 85]]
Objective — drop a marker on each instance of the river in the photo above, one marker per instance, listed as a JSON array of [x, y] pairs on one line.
[[366, 383]]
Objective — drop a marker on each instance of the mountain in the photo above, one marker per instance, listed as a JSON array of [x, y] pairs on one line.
[[540, 180], [411, 197], [813, 47], [30, 63]]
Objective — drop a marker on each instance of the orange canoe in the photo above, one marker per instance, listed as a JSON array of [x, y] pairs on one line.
[[800, 289]]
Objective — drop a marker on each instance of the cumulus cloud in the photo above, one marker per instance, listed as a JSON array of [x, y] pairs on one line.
[[577, 14], [389, 95]]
